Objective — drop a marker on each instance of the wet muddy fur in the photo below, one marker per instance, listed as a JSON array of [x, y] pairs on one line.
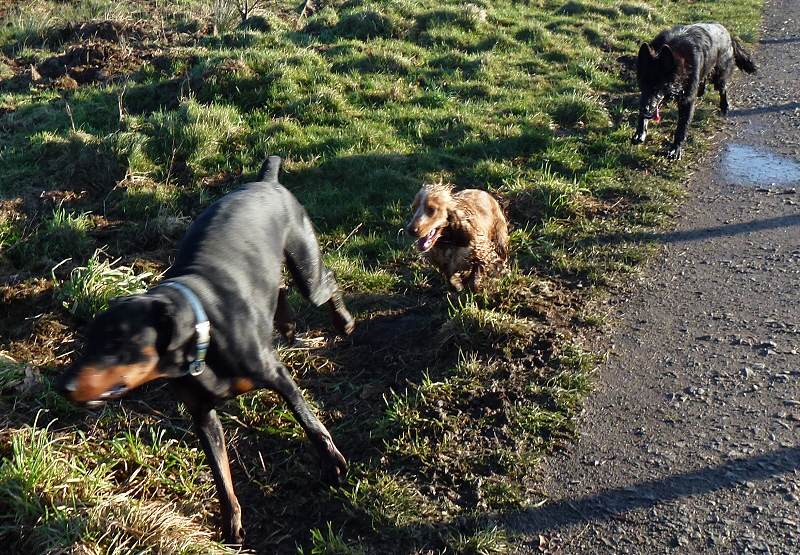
[[677, 64]]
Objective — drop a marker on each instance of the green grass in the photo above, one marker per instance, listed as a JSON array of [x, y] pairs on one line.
[[490, 541], [60, 236], [54, 498], [89, 288], [444, 403]]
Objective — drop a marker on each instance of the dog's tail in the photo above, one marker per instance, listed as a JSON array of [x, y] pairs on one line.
[[269, 170], [744, 60]]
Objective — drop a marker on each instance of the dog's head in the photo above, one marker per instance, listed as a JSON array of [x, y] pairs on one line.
[[124, 347], [430, 211], [656, 72]]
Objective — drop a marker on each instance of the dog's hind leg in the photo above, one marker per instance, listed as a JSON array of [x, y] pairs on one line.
[[212, 438], [701, 89], [284, 317], [316, 282], [721, 85], [342, 320], [333, 464], [723, 101], [475, 278]]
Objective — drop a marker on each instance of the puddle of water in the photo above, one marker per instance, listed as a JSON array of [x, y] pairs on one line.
[[747, 165]]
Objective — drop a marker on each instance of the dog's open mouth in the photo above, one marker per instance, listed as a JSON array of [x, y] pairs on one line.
[[655, 116], [425, 243], [116, 391]]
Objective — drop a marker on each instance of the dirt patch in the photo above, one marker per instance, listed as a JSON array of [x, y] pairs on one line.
[[112, 31], [91, 63], [398, 330], [5, 7], [96, 52]]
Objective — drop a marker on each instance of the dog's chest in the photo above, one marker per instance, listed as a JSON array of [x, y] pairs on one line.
[[450, 258]]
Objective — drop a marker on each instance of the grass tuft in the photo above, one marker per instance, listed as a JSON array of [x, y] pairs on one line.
[[329, 542], [491, 541], [89, 288], [577, 109], [54, 501], [370, 24], [474, 328]]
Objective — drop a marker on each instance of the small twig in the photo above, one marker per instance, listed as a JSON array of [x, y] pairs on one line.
[[239, 458], [120, 104], [355, 229], [54, 268], [308, 8], [69, 113]]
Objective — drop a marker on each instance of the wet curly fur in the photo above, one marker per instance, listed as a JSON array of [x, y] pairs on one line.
[[463, 234]]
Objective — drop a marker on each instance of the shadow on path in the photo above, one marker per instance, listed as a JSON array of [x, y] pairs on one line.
[[612, 503], [782, 40], [765, 110], [703, 233]]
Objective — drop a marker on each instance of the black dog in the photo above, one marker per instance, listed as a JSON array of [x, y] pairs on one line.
[[677, 65], [221, 294]]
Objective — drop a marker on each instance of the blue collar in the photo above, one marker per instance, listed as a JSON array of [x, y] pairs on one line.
[[202, 326]]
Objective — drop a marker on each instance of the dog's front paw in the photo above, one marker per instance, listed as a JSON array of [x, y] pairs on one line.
[[289, 333], [456, 283], [334, 465], [638, 138], [232, 530], [343, 322], [676, 153]]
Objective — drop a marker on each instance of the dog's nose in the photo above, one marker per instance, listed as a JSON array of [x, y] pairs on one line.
[[66, 384], [411, 229]]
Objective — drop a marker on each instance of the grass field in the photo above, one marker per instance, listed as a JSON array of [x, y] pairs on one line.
[[120, 121]]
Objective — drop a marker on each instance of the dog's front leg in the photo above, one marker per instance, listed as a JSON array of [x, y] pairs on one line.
[[685, 114], [641, 130], [475, 278], [641, 126], [209, 430], [334, 465]]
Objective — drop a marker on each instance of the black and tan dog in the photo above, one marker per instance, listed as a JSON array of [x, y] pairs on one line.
[[677, 64], [220, 295]]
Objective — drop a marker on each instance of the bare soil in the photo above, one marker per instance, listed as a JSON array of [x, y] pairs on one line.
[[98, 52], [690, 443]]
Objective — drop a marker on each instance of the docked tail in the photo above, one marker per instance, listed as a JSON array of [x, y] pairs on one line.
[[743, 59], [269, 169]]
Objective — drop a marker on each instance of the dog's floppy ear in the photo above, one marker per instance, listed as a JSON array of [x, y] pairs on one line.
[[167, 327], [417, 200], [645, 54], [666, 57]]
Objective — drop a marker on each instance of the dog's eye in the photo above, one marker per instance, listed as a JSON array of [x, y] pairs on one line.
[[430, 210]]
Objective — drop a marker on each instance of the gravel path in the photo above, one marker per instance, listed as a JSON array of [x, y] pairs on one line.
[[691, 443]]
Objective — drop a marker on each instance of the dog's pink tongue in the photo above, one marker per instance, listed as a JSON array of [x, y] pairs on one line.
[[657, 118], [421, 243]]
